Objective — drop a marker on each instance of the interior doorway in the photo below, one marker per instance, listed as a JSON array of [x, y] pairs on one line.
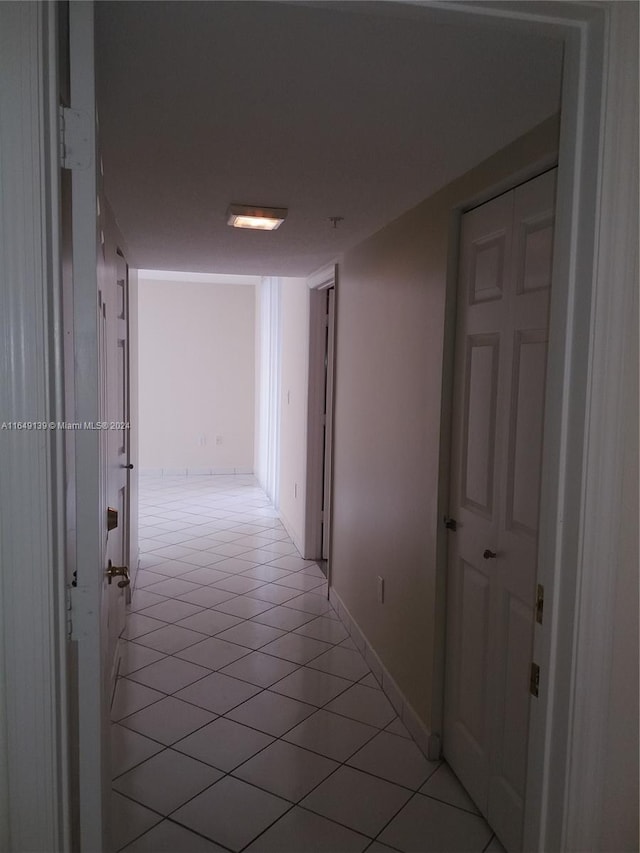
[[322, 324], [506, 250]]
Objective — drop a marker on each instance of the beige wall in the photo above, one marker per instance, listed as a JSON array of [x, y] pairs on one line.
[[619, 819], [293, 412], [196, 375], [389, 386]]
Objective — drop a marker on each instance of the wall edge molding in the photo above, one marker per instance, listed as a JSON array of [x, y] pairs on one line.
[[427, 741]]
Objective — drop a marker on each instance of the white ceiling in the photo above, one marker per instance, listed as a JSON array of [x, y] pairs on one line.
[[352, 110]]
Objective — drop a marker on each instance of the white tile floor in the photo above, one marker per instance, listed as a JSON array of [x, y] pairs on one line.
[[244, 717]]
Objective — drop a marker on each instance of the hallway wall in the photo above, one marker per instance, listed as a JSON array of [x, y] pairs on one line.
[[293, 412], [196, 374], [390, 361]]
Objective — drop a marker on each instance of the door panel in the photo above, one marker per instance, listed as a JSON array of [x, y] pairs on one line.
[[523, 475], [501, 350], [480, 418]]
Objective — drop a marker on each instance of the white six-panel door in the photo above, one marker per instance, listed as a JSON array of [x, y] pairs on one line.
[[501, 345]]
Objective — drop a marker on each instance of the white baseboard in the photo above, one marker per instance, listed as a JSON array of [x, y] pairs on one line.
[[292, 533], [195, 472], [429, 742]]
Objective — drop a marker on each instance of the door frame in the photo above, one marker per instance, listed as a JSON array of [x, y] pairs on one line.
[[524, 175], [595, 271], [318, 283], [597, 211]]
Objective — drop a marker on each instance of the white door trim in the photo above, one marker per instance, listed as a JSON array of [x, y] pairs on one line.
[[268, 421], [317, 282], [613, 329], [595, 273], [34, 798]]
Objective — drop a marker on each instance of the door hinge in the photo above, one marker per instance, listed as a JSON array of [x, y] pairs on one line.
[[69, 611], [75, 139], [450, 523], [534, 679], [539, 603]]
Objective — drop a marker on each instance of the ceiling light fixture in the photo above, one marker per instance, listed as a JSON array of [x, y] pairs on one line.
[[257, 218]]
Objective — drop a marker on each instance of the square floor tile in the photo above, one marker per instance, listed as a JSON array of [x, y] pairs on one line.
[[134, 656], [224, 744], [128, 820], [274, 594], [210, 622], [202, 543], [172, 568], [311, 685], [292, 563], [310, 603], [342, 662], [129, 748], [328, 630], [494, 846], [166, 781], [295, 648], [213, 653], [202, 558], [429, 826], [284, 617], [225, 536], [251, 634], [235, 565], [364, 704], [171, 610], [131, 697], [229, 549], [244, 606], [238, 584], [207, 596], [286, 770], [305, 583], [204, 576], [265, 573], [257, 668], [169, 674], [174, 552], [148, 560], [396, 759], [249, 543], [444, 785], [247, 529], [395, 727], [145, 578], [271, 713], [218, 693], [142, 599], [138, 624], [231, 812], [170, 639], [172, 587], [173, 537], [331, 735], [357, 800], [168, 720], [169, 837], [259, 555], [300, 830], [316, 571]]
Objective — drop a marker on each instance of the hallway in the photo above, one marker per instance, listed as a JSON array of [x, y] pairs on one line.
[[244, 717]]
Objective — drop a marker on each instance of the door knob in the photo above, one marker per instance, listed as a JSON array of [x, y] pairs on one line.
[[119, 571], [489, 555], [129, 466]]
